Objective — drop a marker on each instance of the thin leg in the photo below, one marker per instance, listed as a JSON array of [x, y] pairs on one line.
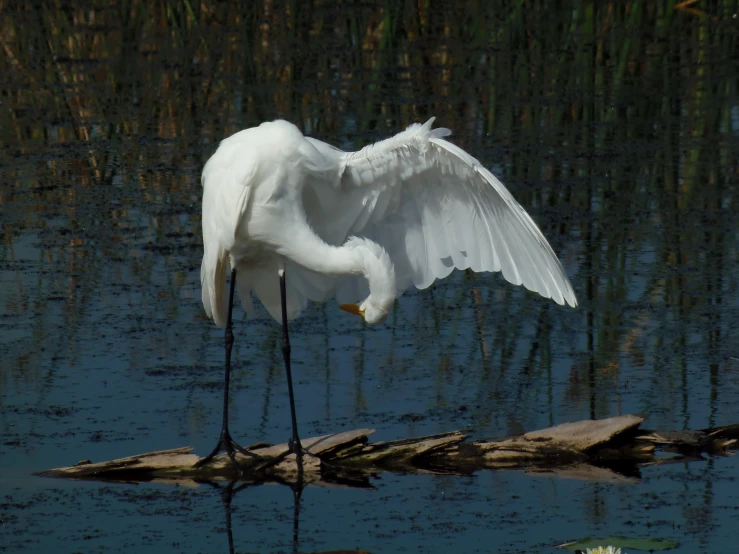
[[225, 442], [294, 442], [294, 445]]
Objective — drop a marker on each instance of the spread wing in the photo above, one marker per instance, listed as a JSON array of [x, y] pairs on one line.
[[434, 208]]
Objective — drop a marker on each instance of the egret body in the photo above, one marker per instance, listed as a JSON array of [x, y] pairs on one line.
[[296, 219]]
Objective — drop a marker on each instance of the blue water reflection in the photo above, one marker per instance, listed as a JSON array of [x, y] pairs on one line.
[[615, 125]]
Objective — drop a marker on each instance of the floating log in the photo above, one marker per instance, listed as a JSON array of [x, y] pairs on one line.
[[582, 449]]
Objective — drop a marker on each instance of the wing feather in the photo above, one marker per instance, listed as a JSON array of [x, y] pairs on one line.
[[434, 208]]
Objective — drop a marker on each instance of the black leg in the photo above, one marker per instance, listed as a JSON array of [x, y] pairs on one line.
[[294, 445], [225, 442], [294, 442]]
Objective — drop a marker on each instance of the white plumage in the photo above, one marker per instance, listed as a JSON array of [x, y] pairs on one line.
[[359, 226]]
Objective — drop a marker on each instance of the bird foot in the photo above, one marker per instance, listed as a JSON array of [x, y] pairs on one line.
[[230, 446], [294, 446]]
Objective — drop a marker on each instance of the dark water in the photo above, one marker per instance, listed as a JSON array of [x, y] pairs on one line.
[[615, 124]]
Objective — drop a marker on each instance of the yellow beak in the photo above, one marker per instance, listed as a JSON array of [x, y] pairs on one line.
[[352, 309]]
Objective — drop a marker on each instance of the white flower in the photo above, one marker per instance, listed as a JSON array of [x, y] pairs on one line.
[[604, 550]]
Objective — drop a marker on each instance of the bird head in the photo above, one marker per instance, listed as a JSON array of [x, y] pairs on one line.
[[367, 310], [374, 263]]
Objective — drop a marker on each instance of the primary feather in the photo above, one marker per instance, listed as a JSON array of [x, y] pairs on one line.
[[419, 206]]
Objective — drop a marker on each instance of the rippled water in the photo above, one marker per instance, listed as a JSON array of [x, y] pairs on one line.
[[615, 125]]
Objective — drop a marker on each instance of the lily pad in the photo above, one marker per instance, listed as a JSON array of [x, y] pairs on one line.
[[630, 543]]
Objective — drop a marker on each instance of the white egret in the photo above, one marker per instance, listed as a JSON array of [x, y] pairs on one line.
[[358, 226]]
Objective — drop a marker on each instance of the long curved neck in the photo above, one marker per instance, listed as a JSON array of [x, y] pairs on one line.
[[379, 272], [358, 256]]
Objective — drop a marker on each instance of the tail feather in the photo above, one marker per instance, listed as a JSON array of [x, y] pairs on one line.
[[213, 280]]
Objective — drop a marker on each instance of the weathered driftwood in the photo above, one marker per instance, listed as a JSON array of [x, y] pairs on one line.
[[582, 450]]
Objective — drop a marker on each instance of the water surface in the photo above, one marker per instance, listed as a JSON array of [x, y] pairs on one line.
[[616, 125]]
